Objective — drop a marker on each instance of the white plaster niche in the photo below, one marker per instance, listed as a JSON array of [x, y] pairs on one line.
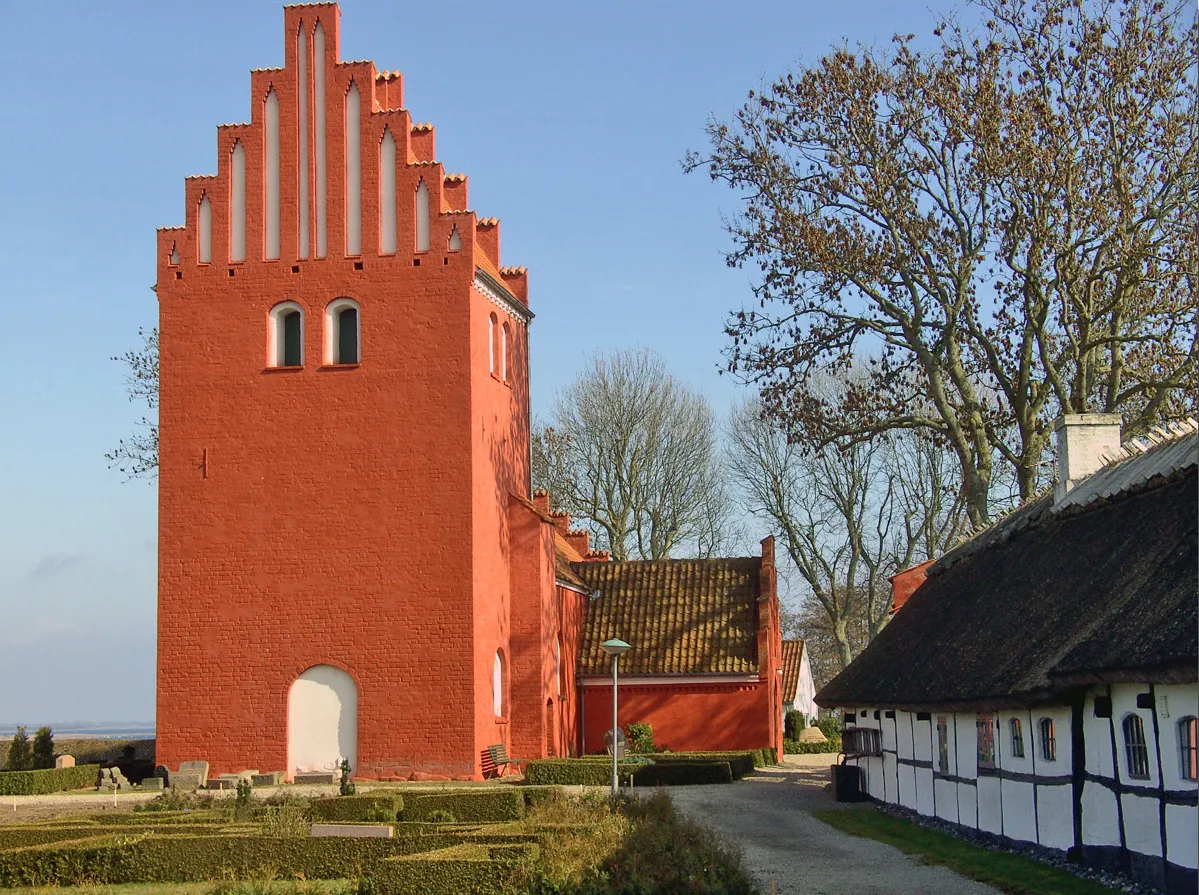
[[237, 203], [318, 89], [302, 119], [353, 171], [204, 223], [422, 217], [322, 720], [271, 170], [387, 194]]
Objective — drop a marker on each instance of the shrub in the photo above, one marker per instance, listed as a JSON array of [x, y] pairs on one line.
[[347, 787], [830, 726], [20, 757], [441, 816], [468, 806], [793, 722], [43, 749], [675, 769], [379, 806], [285, 821], [478, 869], [831, 745], [683, 774], [36, 783], [641, 738]]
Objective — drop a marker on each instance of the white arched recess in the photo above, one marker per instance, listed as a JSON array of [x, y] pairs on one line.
[[322, 720]]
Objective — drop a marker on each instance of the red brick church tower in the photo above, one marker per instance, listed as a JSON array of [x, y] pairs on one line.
[[344, 441]]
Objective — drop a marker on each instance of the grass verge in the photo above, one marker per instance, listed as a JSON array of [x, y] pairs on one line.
[[1009, 872], [242, 887]]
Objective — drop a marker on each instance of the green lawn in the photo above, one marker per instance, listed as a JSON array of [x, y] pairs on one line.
[[1011, 873], [244, 887]]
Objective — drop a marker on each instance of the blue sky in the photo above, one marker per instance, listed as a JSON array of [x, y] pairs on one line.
[[570, 119]]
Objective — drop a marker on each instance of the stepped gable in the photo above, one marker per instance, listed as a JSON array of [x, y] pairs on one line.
[[331, 169]]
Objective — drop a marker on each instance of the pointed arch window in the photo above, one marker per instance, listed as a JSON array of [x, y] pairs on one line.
[[286, 347], [343, 332], [504, 352], [492, 324], [422, 217], [497, 684]]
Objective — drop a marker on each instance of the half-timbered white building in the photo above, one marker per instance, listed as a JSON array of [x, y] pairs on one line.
[[1040, 684]]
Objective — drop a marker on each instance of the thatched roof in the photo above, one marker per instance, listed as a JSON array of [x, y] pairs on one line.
[[1050, 597]]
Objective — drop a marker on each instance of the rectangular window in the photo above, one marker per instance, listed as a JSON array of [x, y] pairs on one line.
[[1017, 739], [1188, 740], [942, 744], [862, 741], [1136, 748], [985, 726], [1048, 740]]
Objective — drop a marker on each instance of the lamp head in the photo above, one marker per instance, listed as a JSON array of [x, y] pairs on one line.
[[615, 647]]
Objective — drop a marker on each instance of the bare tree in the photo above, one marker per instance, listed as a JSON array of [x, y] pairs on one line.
[[849, 515], [137, 455], [633, 452], [1004, 224]]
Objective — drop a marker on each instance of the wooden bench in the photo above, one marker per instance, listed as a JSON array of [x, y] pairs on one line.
[[501, 759]]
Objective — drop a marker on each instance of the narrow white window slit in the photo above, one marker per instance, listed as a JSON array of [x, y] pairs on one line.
[[204, 222], [353, 172], [422, 217], [237, 203], [318, 89], [455, 240], [302, 117], [387, 194], [271, 166]]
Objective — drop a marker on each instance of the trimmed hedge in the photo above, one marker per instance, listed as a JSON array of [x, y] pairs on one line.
[[477, 869], [370, 807], [468, 806], [39, 783], [831, 745], [145, 857], [675, 769]]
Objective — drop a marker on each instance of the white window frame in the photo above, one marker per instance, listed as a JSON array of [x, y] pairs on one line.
[[332, 332], [275, 347]]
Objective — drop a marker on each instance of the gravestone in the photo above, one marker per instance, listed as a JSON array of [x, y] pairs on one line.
[[153, 783], [199, 768], [812, 735], [185, 781], [325, 777], [223, 782], [353, 831], [270, 778], [64, 761], [621, 743]]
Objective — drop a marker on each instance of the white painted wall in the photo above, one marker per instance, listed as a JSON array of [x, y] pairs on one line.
[[318, 89], [805, 690], [322, 720], [237, 203], [303, 210], [1182, 835], [271, 173], [1142, 826], [353, 171], [1055, 816], [990, 812], [1173, 704], [1019, 811], [387, 194], [1100, 815], [947, 800]]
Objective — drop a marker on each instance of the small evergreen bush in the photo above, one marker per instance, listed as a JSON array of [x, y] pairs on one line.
[[20, 755], [641, 738]]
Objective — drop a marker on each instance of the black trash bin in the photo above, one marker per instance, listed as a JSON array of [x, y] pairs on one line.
[[847, 783]]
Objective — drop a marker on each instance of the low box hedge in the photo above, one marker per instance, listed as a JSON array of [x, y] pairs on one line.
[[675, 769], [122, 858], [468, 806], [370, 807], [48, 780], [476, 869], [692, 773]]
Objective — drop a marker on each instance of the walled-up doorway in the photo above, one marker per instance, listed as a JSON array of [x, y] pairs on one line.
[[322, 721], [551, 732]]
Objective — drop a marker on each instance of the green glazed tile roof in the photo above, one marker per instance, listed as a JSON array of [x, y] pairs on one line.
[[682, 616]]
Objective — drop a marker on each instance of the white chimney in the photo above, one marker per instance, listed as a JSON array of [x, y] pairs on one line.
[[1082, 441]]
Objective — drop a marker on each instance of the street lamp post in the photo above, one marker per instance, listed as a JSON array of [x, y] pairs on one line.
[[615, 648]]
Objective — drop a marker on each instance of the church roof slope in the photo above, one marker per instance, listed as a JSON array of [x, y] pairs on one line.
[[792, 657], [682, 616], [1095, 590]]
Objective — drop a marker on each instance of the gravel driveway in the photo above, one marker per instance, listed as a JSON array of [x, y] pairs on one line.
[[769, 814]]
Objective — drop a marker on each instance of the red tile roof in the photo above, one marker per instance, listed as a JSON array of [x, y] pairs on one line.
[[792, 659]]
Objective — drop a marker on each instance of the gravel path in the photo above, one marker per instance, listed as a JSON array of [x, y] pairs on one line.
[[770, 815]]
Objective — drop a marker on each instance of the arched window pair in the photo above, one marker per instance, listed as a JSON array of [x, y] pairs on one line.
[[497, 348], [343, 334]]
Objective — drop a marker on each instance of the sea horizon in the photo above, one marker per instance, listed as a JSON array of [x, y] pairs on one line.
[[100, 730]]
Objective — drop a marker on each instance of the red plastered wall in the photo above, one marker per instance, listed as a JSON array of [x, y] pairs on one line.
[[330, 515], [684, 717]]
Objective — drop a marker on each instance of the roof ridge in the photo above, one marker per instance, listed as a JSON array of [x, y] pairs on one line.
[[1161, 434]]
